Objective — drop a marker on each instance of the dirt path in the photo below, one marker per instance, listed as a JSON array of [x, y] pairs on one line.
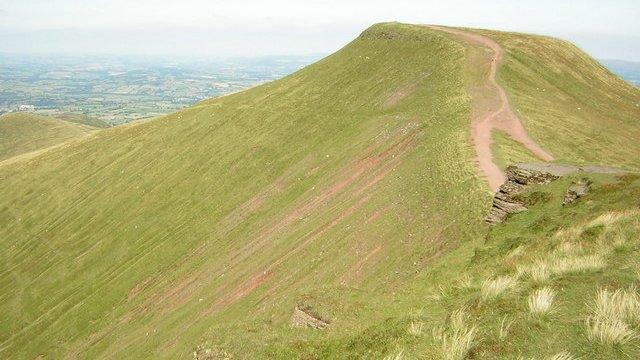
[[492, 114]]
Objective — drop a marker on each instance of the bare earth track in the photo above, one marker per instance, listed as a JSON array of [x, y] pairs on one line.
[[498, 113]]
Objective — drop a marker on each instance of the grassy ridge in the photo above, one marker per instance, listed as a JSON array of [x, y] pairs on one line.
[[22, 133], [348, 188]]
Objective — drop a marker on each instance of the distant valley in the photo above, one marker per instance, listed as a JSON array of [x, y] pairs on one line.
[[118, 90], [121, 89]]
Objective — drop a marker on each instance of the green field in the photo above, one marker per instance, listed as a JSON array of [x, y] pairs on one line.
[[349, 189]]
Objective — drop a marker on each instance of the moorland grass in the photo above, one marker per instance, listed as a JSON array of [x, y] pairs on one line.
[[330, 188], [211, 224]]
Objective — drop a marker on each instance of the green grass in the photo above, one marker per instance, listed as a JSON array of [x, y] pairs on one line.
[[559, 236], [449, 304], [21, 133], [507, 151], [205, 228], [177, 209]]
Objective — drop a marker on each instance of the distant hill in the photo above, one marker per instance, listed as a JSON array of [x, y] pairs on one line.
[[338, 212], [22, 133], [83, 119]]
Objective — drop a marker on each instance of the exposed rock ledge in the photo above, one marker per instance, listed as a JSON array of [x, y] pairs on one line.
[[302, 318], [506, 200]]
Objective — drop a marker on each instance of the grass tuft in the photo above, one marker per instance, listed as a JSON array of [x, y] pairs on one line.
[[458, 338], [563, 355], [515, 253], [504, 328], [619, 242], [415, 328], [540, 301], [577, 264], [623, 305], [495, 287], [568, 248], [609, 331], [610, 218], [612, 316], [568, 234], [539, 272], [397, 356]]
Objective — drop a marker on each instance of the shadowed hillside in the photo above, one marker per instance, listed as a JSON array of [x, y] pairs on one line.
[[348, 190]]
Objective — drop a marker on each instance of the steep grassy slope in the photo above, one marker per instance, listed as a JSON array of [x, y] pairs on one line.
[[576, 252], [555, 282], [348, 188], [327, 185], [571, 104], [22, 133]]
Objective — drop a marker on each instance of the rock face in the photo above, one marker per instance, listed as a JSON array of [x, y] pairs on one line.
[[506, 201], [301, 318]]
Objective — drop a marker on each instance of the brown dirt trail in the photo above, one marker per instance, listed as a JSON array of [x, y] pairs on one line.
[[493, 114]]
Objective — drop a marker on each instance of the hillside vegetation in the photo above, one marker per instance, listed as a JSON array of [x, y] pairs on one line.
[[22, 133], [555, 282], [347, 189]]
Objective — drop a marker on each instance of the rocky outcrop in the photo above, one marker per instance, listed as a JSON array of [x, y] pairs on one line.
[[302, 318], [507, 199], [576, 191]]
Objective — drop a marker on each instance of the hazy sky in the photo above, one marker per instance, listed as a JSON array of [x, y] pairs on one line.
[[605, 28]]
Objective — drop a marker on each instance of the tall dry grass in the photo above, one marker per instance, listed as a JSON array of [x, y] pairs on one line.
[[613, 315], [563, 355], [540, 301], [458, 337], [492, 288]]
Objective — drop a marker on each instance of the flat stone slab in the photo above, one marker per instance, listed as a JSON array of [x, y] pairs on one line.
[[564, 169]]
